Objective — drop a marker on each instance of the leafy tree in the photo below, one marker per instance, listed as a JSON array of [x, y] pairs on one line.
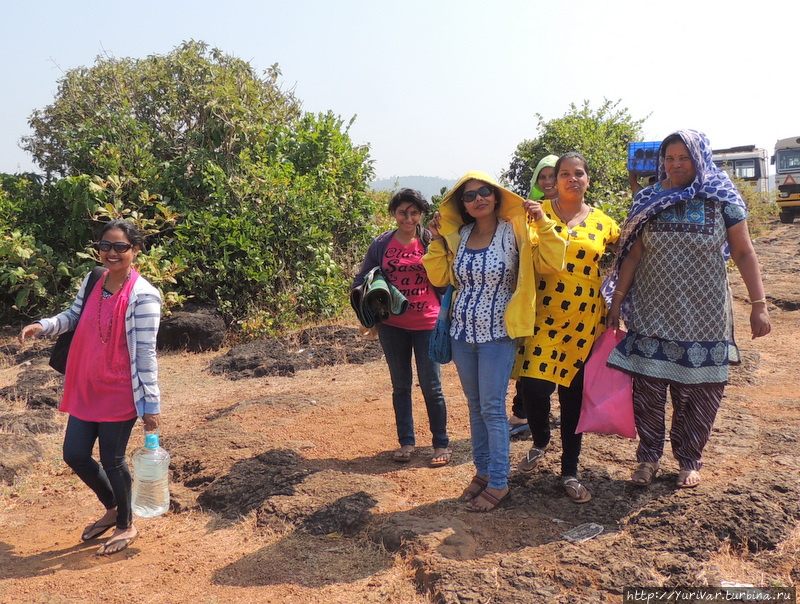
[[601, 135], [191, 105], [248, 202]]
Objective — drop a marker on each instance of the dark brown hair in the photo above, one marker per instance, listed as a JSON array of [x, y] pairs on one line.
[[458, 197], [130, 231], [409, 196]]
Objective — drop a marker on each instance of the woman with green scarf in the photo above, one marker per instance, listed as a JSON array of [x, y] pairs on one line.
[[543, 186]]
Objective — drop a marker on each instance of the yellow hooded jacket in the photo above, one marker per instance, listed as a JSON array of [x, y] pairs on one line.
[[541, 250]]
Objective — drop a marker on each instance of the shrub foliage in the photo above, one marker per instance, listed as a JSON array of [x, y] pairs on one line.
[[248, 202], [601, 135]]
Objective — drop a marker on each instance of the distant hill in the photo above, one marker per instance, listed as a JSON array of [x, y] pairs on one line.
[[427, 185]]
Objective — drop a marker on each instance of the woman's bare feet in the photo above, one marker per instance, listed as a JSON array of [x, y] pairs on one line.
[[119, 541]]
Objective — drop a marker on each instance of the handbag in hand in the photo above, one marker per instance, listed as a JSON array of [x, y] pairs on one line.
[[60, 350], [439, 345], [607, 392]]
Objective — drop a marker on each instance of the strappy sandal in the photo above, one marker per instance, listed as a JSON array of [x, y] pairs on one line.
[[575, 490], [644, 474], [490, 499], [531, 459], [474, 488]]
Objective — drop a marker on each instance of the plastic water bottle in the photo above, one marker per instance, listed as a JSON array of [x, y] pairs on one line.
[[150, 478]]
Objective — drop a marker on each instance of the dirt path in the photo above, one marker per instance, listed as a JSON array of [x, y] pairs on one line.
[[284, 491]]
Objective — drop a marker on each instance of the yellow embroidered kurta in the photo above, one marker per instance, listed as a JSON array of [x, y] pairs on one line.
[[569, 306]]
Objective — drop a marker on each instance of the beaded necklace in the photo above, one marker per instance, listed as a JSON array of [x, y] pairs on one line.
[[107, 338]]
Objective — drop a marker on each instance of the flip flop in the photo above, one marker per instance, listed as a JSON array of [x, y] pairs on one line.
[[401, 456], [442, 459], [125, 541], [531, 459], [101, 529], [489, 498], [575, 490]]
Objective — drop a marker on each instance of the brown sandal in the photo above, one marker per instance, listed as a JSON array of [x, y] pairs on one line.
[[471, 493], [685, 475], [644, 474], [441, 459], [403, 454], [492, 500]]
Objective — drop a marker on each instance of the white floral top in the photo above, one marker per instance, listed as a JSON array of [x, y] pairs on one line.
[[486, 282]]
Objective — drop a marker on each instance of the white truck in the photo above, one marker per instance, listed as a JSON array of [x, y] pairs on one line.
[[787, 177], [747, 163]]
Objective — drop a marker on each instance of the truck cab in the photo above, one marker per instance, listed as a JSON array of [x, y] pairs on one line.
[[787, 178]]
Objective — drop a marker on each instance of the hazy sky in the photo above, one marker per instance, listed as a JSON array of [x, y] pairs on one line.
[[440, 87]]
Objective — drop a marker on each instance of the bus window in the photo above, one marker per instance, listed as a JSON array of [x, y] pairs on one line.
[[788, 160], [725, 165], [746, 168]]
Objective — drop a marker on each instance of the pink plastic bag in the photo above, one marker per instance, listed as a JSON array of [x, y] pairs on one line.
[[607, 392]]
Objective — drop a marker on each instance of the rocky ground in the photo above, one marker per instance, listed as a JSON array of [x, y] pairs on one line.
[[284, 489]]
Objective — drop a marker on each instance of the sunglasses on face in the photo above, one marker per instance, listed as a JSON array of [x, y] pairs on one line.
[[119, 246], [470, 196]]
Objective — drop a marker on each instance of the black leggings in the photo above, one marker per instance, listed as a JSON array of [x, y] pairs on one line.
[[111, 482], [536, 397]]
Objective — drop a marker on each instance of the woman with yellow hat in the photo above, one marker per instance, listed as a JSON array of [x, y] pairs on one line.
[[488, 243]]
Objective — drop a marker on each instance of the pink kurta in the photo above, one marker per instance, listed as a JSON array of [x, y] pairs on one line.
[[97, 386]]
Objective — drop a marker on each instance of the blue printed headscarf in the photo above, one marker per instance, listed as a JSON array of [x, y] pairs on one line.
[[710, 183]]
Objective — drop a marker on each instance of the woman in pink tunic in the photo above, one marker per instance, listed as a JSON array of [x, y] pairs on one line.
[[111, 377]]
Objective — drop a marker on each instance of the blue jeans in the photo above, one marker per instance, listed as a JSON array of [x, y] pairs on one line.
[[484, 370], [111, 482], [397, 346]]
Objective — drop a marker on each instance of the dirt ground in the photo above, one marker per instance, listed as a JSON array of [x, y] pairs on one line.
[[283, 488]]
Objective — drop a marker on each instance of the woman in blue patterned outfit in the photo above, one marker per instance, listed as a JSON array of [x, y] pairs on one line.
[[489, 243], [671, 287]]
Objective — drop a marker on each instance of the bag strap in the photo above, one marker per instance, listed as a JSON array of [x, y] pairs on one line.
[[94, 277], [444, 309]]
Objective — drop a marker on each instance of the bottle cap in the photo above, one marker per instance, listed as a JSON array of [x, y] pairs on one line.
[[151, 441]]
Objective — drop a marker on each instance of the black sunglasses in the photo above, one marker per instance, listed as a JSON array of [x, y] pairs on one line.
[[119, 246], [470, 196]]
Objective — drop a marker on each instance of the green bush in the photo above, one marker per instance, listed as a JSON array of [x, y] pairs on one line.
[[761, 208], [601, 135], [247, 203]]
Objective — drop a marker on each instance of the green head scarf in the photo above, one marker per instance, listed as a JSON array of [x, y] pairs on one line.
[[546, 162]]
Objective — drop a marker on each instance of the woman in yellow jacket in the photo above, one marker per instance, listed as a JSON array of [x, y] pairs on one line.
[[489, 243]]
